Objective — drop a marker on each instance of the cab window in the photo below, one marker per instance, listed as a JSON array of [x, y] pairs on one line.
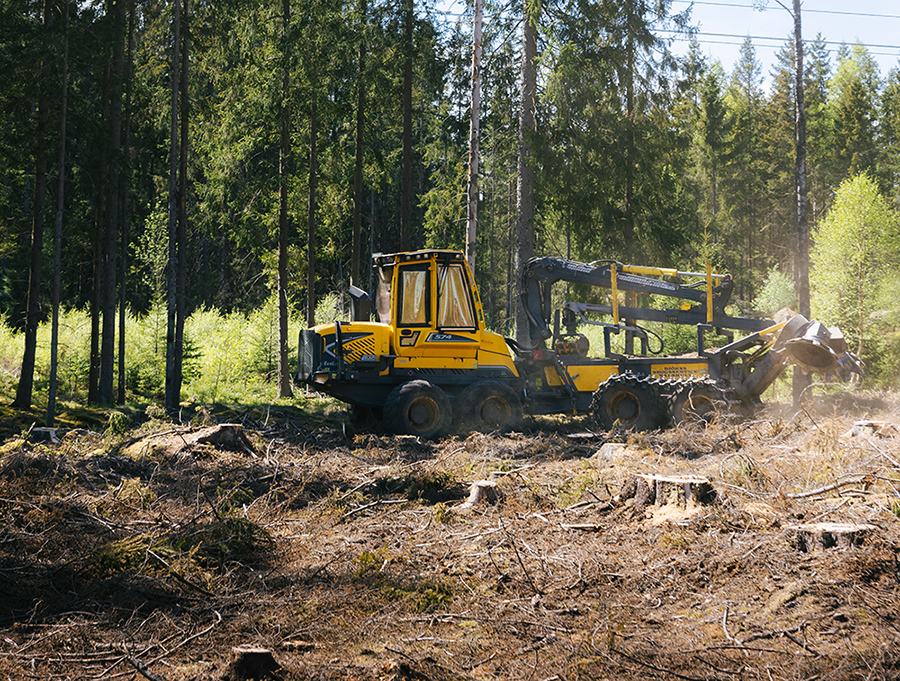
[[383, 295], [454, 299], [413, 296]]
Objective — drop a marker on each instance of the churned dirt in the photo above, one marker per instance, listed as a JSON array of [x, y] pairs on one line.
[[323, 553]]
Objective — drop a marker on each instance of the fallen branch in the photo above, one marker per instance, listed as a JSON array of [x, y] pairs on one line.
[[136, 663], [774, 633], [867, 479], [374, 503], [665, 670]]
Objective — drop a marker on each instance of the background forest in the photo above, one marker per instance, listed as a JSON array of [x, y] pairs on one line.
[[237, 122]]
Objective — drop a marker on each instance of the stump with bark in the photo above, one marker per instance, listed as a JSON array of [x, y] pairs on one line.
[[814, 537], [249, 662], [650, 489]]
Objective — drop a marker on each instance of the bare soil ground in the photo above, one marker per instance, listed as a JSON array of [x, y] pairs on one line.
[[354, 556]]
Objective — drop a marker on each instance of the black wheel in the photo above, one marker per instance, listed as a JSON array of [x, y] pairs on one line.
[[629, 402], [697, 403], [488, 406], [417, 408], [363, 416]]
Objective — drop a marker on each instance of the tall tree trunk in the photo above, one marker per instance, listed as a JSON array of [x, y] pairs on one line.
[[181, 235], [96, 284], [99, 225], [107, 346], [358, 164], [801, 381], [525, 184], [173, 380], [311, 214], [33, 311], [284, 372], [95, 366], [628, 232], [472, 186], [125, 191], [57, 233], [406, 162]]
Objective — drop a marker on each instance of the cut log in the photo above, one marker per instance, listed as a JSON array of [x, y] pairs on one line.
[[650, 489], [249, 662], [812, 537]]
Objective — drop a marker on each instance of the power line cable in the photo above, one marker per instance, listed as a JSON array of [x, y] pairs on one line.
[[805, 11], [775, 47], [783, 39]]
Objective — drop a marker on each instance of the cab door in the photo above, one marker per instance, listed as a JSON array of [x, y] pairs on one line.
[[435, 314], [413, 312]]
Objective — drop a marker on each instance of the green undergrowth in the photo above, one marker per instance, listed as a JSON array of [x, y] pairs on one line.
[[228, 357]]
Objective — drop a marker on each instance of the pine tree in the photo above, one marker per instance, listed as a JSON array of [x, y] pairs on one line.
[[852, 95]]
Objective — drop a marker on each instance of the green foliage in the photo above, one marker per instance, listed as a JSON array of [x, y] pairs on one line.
[[118, 423], [776, 293], [854, 252], [329, 308], [228, 357]]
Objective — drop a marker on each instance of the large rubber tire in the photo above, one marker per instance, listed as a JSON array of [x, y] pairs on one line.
[[489, 406], [697, 403], [417, 408], [627, 401]]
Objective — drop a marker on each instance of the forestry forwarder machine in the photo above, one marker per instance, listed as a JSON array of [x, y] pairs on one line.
[[429, 362]]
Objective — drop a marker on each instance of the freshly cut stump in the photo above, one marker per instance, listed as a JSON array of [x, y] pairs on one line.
[[248, 662], [820, 536], [686, 491]]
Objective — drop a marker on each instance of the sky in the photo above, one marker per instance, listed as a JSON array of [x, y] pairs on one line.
[[723, 25]]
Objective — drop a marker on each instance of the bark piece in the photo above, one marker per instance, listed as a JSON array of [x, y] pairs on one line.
[[812, 537]]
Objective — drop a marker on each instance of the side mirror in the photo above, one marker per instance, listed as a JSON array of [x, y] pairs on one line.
[[360, 305]]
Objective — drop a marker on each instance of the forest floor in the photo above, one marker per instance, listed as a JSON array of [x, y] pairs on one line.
[[157, 552]]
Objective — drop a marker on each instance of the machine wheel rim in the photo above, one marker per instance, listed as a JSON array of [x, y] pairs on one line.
[[423, 413], [495, 411]]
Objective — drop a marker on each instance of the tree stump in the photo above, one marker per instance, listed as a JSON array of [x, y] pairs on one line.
[[41, 434], [223, 436], [248, 662], [814, 537], [650, 489], [880, 429], [483, 491], [612, 450]]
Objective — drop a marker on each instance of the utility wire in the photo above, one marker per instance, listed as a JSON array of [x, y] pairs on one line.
[[783, 39], [772, 47], [805, 10]]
